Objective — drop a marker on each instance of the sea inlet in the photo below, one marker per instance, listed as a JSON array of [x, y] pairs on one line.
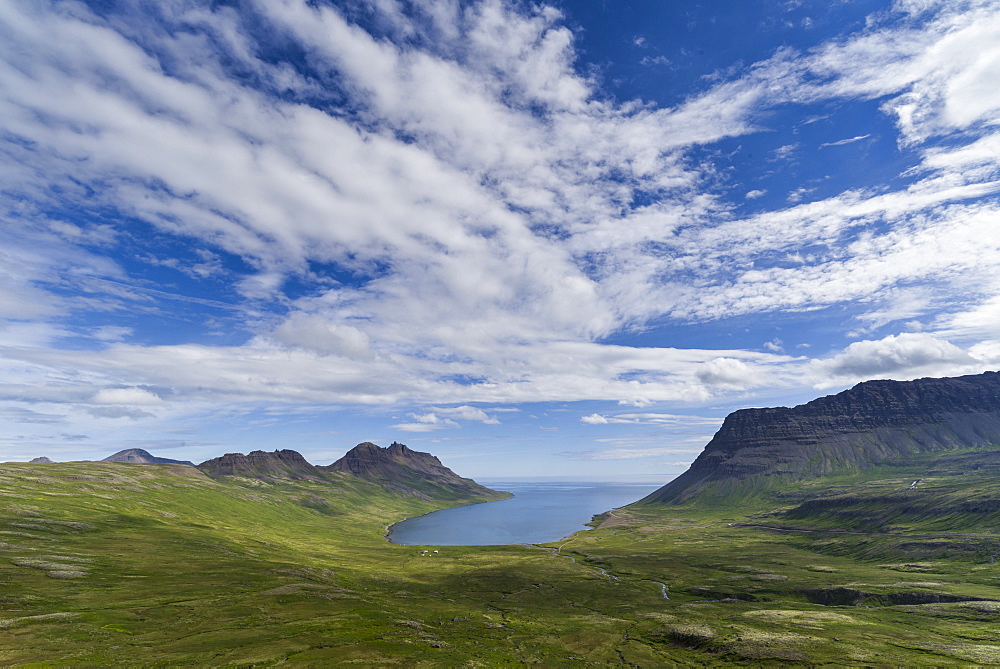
[[539, 512]]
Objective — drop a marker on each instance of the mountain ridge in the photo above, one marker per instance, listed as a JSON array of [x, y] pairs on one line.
[[400, 467], [140, 456], [873, 422], [276, 465], [396, 467]]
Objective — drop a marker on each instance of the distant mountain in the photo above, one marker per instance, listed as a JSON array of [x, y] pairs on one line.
[[139, 456], [40, 460], [406, 470], [396, 467], [283, 464], [873, 422]]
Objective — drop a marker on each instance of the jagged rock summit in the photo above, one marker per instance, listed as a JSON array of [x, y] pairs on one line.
[[40, 460], [370, 461], [396, 467], [140, 456], [872, 422], [283, 464], [404, 469]]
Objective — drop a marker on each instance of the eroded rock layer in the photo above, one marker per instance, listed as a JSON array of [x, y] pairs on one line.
[[870, 423]]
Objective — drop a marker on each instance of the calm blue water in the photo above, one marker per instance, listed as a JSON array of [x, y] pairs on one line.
[[538, 513]]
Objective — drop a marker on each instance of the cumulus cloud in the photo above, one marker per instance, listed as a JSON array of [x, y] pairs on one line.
[[466, 412], [428, 422], [728, 372], [316, 333], [902, 357]]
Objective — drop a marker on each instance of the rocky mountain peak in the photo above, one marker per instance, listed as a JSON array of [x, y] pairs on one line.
[[401, 467], [279, 464]]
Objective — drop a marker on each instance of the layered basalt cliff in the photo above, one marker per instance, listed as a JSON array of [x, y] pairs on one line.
[[872, 422]]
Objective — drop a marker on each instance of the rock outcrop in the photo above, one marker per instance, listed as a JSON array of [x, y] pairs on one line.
[[405, 469], [872, 422], [40, 460], [283, 464], [395, 468], [139, 456]]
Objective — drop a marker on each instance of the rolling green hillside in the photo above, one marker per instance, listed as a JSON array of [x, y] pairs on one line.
[[106, 563]]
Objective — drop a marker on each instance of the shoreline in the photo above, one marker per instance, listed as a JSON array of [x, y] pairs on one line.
[[388, 528], [599, 520]]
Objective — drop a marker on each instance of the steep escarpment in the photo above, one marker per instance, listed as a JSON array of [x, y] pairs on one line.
[[873, 422], [406, 470]]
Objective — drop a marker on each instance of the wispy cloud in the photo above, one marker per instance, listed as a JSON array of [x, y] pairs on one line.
[[841, 142], [459, 198], [627, 453]]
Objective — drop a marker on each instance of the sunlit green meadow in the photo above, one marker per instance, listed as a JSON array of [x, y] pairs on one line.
[[104, 563]]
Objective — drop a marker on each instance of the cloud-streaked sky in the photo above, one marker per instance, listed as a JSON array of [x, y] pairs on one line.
[[562, 238]]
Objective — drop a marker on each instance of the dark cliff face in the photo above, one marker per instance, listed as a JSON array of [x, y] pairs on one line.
[[872, 422], [403, 469], [283, 464]]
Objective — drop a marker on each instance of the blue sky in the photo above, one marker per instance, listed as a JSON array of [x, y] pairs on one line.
[[559, 239]]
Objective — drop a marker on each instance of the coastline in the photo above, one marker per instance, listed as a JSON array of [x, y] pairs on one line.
[[547, 513], [388, 528]]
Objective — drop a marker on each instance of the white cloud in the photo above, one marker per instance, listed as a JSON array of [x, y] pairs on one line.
[[428, 422], [128, 396], [977, 320], [662, 61], [728, 372], [316, 333], [632, 452], [841, 142], [902, 357], [501, 239], [799, 194], [659, 419], [466, 412], [783, 152]]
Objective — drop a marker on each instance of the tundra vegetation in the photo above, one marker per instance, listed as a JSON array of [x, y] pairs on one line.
[[105, 563]]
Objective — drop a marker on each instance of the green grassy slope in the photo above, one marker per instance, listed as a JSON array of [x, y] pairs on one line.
[[104, 563]]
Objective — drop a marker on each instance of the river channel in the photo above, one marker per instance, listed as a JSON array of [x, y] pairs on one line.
[[539, 512]]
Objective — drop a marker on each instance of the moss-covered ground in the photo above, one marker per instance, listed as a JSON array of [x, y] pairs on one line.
[[104, 563]]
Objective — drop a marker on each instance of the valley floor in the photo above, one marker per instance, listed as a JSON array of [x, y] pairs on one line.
[[104, 563]]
